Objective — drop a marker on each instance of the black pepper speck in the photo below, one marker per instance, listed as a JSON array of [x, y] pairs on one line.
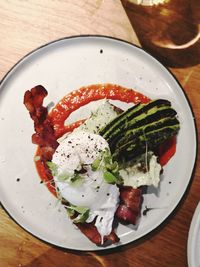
[[146, 210]]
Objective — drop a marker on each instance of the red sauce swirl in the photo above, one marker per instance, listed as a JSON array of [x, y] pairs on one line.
[[85, 95]]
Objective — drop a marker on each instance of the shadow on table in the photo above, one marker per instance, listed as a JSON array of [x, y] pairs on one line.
[[170, 32]]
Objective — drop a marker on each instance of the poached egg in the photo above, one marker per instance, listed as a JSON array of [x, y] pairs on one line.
[[77, 151]]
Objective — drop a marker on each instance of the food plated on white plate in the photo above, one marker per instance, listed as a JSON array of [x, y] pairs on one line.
[[99, 167]]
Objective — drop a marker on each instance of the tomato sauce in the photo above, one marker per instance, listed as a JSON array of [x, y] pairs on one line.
[[85, 95], [46, 178], [81, 97], [167, 150]]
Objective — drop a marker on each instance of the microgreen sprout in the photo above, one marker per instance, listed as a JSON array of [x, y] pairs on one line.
[[83, 213], [110, 169], [53, 167]]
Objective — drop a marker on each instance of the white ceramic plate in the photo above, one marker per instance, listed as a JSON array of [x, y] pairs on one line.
[[193, 248], [61, 67]]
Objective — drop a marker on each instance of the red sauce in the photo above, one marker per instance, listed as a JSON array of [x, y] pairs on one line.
[[44, 176], [81, 97], [166, 151], [85, 95]]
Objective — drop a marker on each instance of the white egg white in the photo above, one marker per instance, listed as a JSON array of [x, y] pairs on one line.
[[81, 149]]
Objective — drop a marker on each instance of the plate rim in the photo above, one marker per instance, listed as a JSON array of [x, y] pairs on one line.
[[194, 225], [180, 200]]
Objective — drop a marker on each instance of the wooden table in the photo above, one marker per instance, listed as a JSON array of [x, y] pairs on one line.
[[27, 24]]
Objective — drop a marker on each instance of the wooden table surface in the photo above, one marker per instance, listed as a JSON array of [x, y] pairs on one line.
[[27, 24]]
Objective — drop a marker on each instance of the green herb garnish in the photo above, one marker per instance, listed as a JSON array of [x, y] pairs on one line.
[[109, 177], [110, 169], [63, 177], [83, 213], [81, 218], [53, 168], [96, 164], [76, 179]]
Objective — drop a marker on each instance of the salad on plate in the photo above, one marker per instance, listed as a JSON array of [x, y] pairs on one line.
[[100, 166]]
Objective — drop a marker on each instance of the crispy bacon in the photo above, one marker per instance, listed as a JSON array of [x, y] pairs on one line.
[[130, 204], [44, 132], [90, 230]]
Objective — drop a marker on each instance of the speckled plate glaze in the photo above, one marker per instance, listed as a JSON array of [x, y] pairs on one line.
[[193, 248], [63, 66]]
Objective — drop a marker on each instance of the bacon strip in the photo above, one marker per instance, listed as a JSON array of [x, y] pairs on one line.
[[90, 230], [44, 132], [130, 204]]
